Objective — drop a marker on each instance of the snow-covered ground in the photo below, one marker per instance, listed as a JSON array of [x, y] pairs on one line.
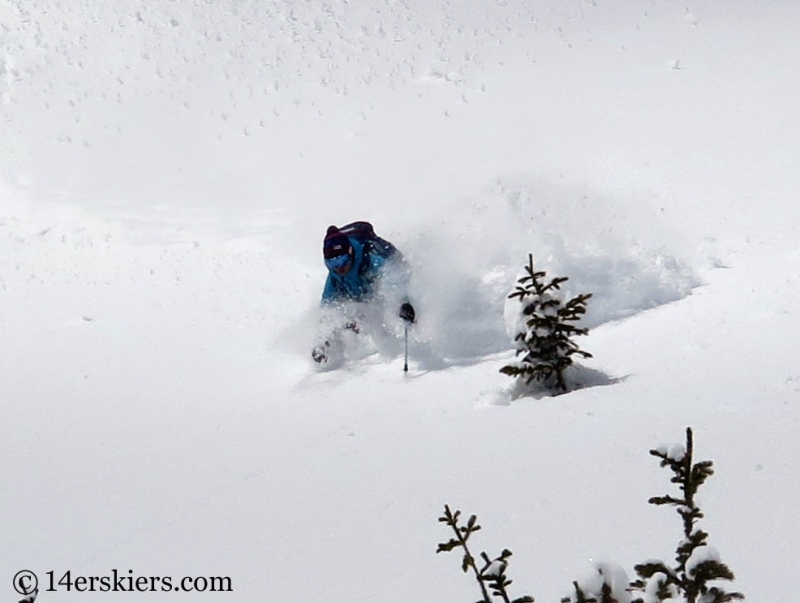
[[167, 172]]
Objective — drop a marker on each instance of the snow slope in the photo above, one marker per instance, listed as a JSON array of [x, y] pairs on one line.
[[167, 171]]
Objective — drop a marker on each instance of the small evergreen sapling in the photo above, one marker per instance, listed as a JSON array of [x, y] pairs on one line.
[[694, 578], [491, 575], [697, 564], [546, 341]]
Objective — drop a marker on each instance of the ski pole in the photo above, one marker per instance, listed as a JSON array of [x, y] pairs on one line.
[[405, 366]]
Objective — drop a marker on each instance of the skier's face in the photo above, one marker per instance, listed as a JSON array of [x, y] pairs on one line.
[[340, 264]]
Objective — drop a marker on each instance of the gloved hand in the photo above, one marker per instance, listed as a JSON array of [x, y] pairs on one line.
[[407, 312]]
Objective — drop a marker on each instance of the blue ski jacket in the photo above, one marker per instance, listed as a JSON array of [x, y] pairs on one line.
[[373, 259]]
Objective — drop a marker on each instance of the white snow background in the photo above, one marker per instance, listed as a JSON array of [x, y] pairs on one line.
[[167, 172]]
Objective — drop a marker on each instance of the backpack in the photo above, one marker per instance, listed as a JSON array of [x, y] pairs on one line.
[[364, 233]]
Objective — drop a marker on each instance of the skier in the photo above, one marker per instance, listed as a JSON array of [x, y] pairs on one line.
[[367, 276]]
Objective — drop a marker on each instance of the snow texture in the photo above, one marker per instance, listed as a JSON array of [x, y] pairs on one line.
[[610, 573], [168, 169]]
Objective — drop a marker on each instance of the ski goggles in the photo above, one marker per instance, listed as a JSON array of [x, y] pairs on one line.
[[338, 263], [336, 247]]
